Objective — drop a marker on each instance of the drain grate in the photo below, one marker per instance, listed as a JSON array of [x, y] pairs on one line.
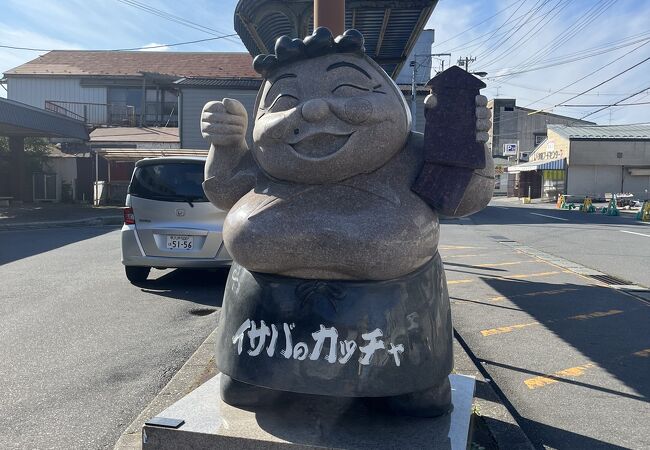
[[501, 238], [608, 279]]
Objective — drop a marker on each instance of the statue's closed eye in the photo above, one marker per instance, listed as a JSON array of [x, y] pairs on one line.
[[356, 87], [283, 102]]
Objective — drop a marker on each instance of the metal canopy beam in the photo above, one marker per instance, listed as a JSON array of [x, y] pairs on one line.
[[19, 119], [382, 32], [391, 27]]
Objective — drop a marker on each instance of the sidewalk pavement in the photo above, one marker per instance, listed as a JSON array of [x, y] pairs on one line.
[[46, 215]]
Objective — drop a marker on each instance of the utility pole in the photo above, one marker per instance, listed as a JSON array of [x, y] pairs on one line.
[[465, 62], [415, 66], [330, 14]]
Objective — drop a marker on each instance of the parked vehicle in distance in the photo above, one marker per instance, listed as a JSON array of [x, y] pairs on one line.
[[168, 221]]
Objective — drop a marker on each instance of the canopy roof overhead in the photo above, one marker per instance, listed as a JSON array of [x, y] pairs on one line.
[[21, 120], [390, 27]]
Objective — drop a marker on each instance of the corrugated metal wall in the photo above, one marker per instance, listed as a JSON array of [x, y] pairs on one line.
[[35, 91], [193, 101]]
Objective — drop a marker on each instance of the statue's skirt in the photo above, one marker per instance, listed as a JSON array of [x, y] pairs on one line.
[[338, 338]]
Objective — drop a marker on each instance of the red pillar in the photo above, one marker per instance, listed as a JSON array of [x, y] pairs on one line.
[[330, 14]]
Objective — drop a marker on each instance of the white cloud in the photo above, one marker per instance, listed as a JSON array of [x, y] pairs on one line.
[[155, 47]]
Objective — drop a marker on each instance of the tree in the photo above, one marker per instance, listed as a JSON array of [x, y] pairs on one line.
[[36, 151]]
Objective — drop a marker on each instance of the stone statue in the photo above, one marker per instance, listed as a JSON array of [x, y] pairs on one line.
[[337, 287]]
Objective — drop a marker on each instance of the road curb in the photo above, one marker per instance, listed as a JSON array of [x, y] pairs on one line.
[[488, 405], [196, 371], [94, 221]]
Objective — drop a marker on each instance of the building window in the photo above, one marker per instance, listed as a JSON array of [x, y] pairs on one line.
[[509, 108], [125, 107], [539, 138]]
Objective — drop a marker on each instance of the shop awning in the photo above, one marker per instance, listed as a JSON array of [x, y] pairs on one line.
[[554, 164], [132, 154]]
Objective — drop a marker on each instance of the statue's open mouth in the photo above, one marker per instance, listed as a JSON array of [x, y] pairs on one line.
[[321, 145]]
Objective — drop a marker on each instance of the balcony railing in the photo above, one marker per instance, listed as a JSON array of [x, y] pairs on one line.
[[95, 114]]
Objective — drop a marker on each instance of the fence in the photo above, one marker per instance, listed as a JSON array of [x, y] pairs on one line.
[[94, 114]]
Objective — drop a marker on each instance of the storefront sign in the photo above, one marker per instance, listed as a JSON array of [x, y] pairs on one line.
[[547, 154], [509, 149]]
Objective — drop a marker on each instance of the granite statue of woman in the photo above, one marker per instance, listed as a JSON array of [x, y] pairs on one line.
[[337, 287]]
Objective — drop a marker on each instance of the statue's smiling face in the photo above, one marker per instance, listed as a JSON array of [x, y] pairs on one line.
[[328, 118]]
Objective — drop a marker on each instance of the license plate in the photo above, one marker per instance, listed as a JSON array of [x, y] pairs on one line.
[[176, 242]]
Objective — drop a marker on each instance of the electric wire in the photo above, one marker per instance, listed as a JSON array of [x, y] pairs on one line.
[[176, 19], [148, 47]]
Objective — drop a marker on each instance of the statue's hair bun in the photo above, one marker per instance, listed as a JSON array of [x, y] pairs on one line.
[[321, 42]]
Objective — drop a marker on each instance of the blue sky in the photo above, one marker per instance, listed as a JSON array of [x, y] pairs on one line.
[[500, 49]]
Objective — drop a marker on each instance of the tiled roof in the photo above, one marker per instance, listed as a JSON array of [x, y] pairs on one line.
[[132, 64], [603, 131], [132, 134]]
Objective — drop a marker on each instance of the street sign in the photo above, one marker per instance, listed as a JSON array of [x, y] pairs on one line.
[[509, 149]]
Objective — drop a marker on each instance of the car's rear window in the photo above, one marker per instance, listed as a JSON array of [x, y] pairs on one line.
[[175, 182]]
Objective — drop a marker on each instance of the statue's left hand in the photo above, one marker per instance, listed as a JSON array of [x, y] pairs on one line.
[[483, 122]]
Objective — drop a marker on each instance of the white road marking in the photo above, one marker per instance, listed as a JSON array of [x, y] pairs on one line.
[[632, 232], [550, 217]]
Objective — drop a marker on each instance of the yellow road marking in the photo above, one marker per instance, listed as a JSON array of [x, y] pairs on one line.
[[511, 328], [593, 315], [508, 329], [645, 353], [513, 263], [464, 256], [531, 275], [573, 372], [499, 298], [459, 281]]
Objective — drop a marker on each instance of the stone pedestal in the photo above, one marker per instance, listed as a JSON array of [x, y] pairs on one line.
[[308, 422]]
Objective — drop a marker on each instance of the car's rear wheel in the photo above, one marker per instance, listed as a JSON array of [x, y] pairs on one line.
[[137, 274]]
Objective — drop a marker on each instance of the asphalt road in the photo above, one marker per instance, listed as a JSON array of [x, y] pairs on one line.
[[616, 245], [83, 351], [571, 356]]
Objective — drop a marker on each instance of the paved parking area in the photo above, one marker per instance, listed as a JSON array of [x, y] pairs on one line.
[[571, 355]]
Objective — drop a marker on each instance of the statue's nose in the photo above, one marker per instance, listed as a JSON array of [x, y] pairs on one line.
[[315, 110]]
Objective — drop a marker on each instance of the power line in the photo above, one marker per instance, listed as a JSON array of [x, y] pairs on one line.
[[480, 23], [577, 26], [174, 18], [615, 104], [518, 26], [606, 81], [11, 47], [609, 106], [556, 9], [560, 62], [506, 21], [584, 77]]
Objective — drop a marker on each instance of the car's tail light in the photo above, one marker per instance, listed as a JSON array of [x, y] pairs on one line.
[[129, 217]]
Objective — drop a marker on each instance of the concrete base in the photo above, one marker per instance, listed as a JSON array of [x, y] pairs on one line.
[[310, 422]]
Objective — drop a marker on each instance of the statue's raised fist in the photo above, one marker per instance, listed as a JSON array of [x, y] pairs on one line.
[[224, 123]]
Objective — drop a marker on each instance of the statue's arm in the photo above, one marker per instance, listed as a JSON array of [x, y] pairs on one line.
[[462, 185], [230, 171]]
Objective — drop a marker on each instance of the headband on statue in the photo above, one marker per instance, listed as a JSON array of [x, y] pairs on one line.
[[320, 43]]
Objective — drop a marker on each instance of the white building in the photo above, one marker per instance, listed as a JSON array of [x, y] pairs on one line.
[[588, 161]]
